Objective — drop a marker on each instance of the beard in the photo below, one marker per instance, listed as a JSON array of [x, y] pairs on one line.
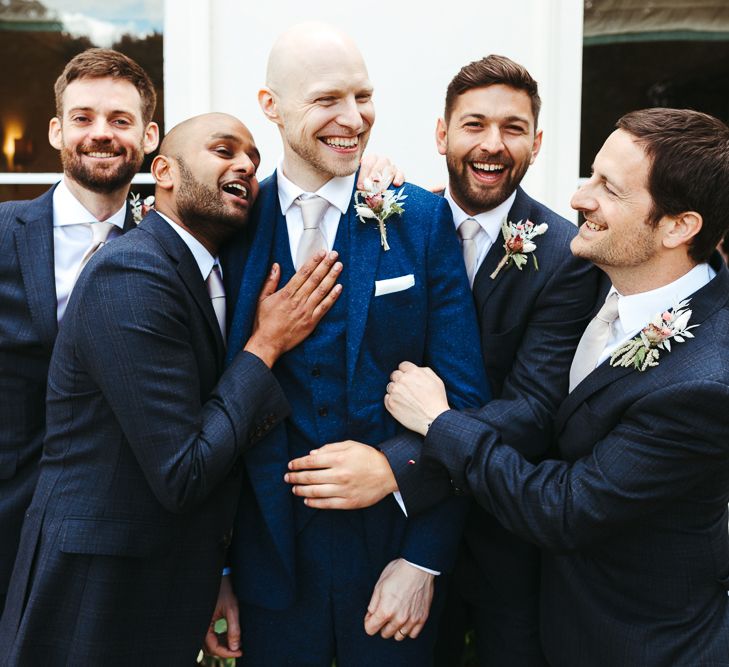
[[477, 197], [203, 206], [100, 178]]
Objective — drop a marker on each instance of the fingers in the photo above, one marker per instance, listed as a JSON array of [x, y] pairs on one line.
[[216, 645], [324, 273], [269, 287], [326, 303], [406, 366], [399, 178], [233, 632], [302, 275]]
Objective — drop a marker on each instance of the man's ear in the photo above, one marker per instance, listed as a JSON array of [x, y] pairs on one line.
[[536, 146], [441, 136], [162, 171], [269, 105], [55, 133], [681, 229], [151, 138]]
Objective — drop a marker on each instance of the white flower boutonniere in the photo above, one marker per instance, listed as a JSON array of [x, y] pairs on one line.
[[643, 351], [376, 203], [518, 243], [140, 207]]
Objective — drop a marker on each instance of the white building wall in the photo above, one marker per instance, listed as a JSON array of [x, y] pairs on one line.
[[216, 50]]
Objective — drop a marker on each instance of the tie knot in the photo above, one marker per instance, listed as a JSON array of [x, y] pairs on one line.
[[99, 231], [215, 283], [609, 311], [468, 229], [312, 210]]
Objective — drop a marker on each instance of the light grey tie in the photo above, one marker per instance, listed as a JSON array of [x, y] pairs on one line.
[[469, 230], [592, 343], [312, 239], [217, 295], [99, 234]]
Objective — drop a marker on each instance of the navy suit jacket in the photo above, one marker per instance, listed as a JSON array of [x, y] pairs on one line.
[[27, 332], [633, 520], [124, 541], [431, 323]]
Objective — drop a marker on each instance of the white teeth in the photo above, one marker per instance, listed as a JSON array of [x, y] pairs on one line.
[[485, 166], [97, 154], [237, 186], [593, 226], [342, 142]]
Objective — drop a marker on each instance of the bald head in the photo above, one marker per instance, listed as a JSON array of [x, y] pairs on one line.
[[319, 94], [189, 132]]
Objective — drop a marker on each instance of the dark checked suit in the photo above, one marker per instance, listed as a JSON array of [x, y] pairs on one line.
[[633, 519], [123, 544], [530, 322], [27, 332]]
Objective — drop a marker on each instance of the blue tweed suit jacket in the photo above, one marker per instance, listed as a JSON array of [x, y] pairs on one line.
[[433, 322], [27, 333], [124, 541], [633, 519]]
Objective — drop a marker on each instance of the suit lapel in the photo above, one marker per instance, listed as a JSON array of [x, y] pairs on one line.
[[703, 304], [365, 252], [189, 272], [129, 223], [256, 266], [34, 246]]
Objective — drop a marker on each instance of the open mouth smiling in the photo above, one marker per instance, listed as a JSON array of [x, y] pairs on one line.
[[594, 227], [341, 143], [236, 189]]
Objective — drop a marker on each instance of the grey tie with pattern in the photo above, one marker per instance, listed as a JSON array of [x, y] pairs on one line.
[[312, 238], [469, 230]]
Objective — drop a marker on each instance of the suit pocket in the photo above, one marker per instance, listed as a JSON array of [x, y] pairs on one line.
[[113, 537]]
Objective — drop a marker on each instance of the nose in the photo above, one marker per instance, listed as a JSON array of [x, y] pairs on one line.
[[101, 130], [349, 115], [583, 199], [244, 165], [491, 141]]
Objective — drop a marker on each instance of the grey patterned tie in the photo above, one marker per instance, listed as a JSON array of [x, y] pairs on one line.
[[312, 239], [469, 230], [592, 343], [216, 291], [99, 234]]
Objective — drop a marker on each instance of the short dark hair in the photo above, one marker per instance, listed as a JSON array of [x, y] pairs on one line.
[[689, 171], [100, 63], [489, 71]]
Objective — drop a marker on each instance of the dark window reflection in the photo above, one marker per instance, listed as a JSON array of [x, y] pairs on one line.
[[37, 39]]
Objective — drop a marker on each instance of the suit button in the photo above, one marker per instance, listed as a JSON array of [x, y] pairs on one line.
[[315, 372], [323, 412]]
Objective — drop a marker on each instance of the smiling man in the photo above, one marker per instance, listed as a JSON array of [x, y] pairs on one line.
[[123, 543], [633, 519], [314, 585], [103, 128]]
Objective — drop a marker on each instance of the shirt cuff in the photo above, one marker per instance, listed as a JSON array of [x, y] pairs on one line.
[[424, 569], [400, 501]]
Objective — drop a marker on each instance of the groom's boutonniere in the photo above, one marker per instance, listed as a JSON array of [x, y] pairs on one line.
[[140, 207], [518, 243], [643, 351], [376, 203]]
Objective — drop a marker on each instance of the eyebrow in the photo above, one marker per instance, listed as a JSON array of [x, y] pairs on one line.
[[114, 111], [508, 119]]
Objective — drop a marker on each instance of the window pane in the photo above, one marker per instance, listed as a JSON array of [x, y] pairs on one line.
[[37, 39]]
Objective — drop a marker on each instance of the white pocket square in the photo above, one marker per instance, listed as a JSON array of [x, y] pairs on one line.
[[394, 284]]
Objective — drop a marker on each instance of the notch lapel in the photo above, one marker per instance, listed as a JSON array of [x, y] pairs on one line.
[[365, 252], [34, 247]]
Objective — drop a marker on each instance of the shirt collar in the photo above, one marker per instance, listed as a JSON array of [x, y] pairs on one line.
[[67, 210], [204, 259], [337, 191], [490, 221], [636, 310]]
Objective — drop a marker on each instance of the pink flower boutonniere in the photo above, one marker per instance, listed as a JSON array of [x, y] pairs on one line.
[[518, 243], [643, 351], [140, 207], [375, 203]]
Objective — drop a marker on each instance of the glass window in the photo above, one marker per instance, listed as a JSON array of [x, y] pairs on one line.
[[37, 39]]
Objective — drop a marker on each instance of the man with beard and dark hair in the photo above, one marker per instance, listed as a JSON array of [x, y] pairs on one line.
[[125, 538], [530, 321], [103, 129]]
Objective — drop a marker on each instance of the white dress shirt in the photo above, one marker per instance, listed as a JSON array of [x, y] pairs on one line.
[[637, 310], [71, 240], [337, 191], [490, 222]]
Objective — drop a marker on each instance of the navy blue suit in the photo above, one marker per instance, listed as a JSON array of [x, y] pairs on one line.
[[27, 333], [336, 383], [123, 544], [530, 322], [633, 519]]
